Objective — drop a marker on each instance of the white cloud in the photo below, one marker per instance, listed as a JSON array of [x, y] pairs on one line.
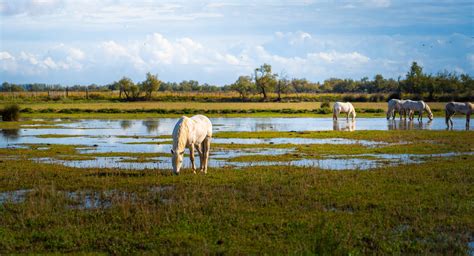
[[6, 56], [157, 51], [30, 7], [342, 58], [470, 59], [378, 3]]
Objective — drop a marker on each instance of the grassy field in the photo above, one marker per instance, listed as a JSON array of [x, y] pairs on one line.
[[202, 105], [107, 109], [423, 208]]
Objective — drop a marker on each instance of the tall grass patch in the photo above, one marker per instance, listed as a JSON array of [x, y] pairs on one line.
[[11, 113]]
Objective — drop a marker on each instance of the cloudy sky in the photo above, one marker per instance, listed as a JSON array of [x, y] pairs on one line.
[[93, 41]]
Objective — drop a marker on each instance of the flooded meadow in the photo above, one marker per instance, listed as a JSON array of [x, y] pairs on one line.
[[110, 143]]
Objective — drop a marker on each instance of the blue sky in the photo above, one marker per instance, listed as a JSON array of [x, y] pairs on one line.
[[87, 41]]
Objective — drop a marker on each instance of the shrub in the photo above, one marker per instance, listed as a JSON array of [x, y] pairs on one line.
[[27, 110], [325, 104], [47, 110], [11, 113], [394, 95], [322, 111]]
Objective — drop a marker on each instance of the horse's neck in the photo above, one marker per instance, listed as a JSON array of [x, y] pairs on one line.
[[427, 108], [184, 133]]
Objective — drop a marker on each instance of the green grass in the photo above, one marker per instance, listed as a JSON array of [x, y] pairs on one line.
[[418, 209], [410, 209]]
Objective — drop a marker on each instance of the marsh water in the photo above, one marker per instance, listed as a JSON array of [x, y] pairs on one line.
[[142, 136]]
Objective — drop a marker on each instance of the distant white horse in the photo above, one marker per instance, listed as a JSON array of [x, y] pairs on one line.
[[458, 107], [194, 132], [343, 107], [394, 106], [411, 107]]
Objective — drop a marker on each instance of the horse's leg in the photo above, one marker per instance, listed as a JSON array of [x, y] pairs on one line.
[[206, 144], [347, 116], [420, 115], [468, 119], [334, 115], [446, 119], [191, 156], [199, 150]]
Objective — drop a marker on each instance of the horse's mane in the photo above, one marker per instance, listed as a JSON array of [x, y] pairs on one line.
[[428, 109], [179, 143]]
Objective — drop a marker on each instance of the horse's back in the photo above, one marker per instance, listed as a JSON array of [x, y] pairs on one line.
[[178, 125], [203, 123], [461, 107], [343, 106]]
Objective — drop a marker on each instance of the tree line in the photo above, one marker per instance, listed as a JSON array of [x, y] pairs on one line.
[[264, 82]]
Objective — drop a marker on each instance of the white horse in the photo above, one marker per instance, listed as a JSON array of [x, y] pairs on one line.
[[411, 107], [394, 106], [343, 107], [458, 107], [194, 132]]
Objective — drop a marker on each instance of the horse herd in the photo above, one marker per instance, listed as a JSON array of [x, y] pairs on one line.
[[410, 108], [195, 133]]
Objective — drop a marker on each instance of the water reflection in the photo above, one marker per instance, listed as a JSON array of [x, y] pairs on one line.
[[349, 125], [405, 124], [10, 134], [264, 127], [151, 125], [125, 124]]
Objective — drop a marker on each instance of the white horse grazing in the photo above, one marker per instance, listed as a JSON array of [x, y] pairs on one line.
[[343, 107], [411, 106], [458, 107], [194, 132], [394, 106]]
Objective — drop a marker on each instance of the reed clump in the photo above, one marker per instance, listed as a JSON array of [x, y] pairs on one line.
[[10, 112]]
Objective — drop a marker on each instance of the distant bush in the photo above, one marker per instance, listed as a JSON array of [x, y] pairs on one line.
[[377, 98], [27, 110], [47, 110], [11, 113], [394, 95], [369, 110], [109, 110], [325, 104], [322, 111]]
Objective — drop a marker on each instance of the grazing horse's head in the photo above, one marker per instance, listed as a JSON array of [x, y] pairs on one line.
[[430, 116], [177, 160]]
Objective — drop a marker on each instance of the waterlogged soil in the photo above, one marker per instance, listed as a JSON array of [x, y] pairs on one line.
[[109, 143], [87, 199]]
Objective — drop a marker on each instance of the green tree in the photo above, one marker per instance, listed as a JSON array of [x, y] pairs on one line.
[[283, 86], [129, 89], [265, 80], [244, 86], [415, 79], [150, 85]]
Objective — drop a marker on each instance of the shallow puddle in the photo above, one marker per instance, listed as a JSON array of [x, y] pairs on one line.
[[86, 200], [353, 162], [119, 132], [14, 196], [297, 141]]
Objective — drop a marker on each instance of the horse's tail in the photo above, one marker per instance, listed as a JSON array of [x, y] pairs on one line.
[[389, 111], [335, 110], [446, 116]]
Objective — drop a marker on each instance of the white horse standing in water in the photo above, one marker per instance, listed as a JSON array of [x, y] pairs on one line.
[[343, 107], [394, 106], [458, 107], [411, 107], [192, 133]]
